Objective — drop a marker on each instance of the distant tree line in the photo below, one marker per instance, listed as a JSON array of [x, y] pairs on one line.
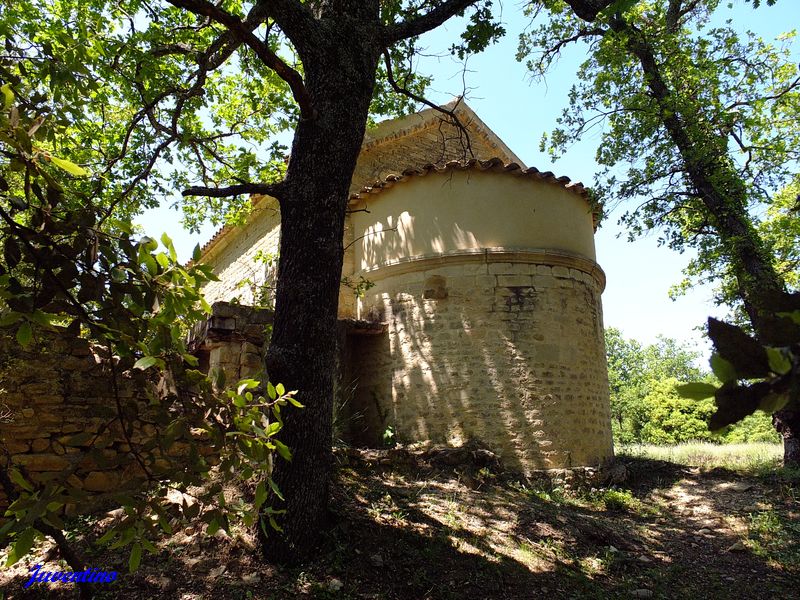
[[646, 409]]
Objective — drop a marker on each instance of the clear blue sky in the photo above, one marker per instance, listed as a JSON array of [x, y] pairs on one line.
[[501, 92]]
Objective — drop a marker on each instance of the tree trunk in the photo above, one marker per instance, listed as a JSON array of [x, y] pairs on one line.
[[724, 195], [302, 353], [787, 422]]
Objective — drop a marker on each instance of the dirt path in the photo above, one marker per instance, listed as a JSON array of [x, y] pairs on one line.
[[415, 530]]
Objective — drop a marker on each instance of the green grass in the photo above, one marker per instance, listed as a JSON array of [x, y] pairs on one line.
[[754, 457]]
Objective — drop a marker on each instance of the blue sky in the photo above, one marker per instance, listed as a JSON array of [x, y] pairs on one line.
[[520, 110]]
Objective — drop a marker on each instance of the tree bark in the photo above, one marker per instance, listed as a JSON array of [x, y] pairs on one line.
[[787, 422], [340, 78]]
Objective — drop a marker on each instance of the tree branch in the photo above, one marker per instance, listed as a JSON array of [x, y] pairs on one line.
[[268, 189], [589, 9], [423, 23], [244, 33], [295, 20], [452, 117]]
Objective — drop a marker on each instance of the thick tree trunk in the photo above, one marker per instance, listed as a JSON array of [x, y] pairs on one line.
[[340, 78]]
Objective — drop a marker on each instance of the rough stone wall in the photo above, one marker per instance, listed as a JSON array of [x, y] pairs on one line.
[[62, 386], [54, 390], [433, 144], [232, 340], [508, 354], [234, 262]]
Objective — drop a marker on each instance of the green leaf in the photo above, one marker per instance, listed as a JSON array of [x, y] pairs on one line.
[[69, 167], [148, 545], [274, 487], [283, 449], [294, 402], [146, 362], [246, 384], [280, 389], [696, 390], [22, 546], [723, 369], [213, 527], [261, 494], [196, 253], [271, 391], [778, 361], [107, 536], [735, 402], [135, 557], [8, 96], [24, 334], [17, 478], [745, 353], [275, 525], [773, 402], [167, 241]]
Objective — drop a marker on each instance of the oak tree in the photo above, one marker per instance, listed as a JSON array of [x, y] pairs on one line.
[[192, 93], [699, 128]]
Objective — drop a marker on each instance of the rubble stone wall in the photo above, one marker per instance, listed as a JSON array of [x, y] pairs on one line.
[[509, 354], [56, 388]]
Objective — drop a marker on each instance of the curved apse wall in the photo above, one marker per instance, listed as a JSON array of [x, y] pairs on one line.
[[491, 292]]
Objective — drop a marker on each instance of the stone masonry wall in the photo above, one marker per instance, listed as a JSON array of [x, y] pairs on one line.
[[433, 144], [62, 386], [54, 390], [235, 261], [508, 354]]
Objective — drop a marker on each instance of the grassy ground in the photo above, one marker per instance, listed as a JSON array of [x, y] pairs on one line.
[[407, 527], [747, 458]]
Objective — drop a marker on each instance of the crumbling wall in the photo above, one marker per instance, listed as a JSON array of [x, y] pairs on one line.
[[53, 390]]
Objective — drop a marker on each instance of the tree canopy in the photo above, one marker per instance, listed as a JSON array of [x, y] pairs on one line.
[[194, 95], [699, 129]]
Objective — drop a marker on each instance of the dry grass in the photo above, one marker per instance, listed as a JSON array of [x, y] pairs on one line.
[[754, 457]]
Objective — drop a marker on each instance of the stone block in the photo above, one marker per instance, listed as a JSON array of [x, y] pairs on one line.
[[500, 268], [561, 271], [514, 280], [41, 462], [40, 444], [101, 481]]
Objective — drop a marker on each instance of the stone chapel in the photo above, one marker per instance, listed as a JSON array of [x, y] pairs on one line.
[[479, 315]]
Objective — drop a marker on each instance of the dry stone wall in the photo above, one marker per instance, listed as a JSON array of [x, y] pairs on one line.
[[510, 354], [63, 386], [60, 387]]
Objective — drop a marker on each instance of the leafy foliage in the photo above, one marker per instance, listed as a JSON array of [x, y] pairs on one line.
[[68, 261], [651, 403], [753, 376]]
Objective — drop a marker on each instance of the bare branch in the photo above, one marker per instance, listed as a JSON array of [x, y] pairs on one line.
[[451, 115], [268, 189], [244, 33]]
